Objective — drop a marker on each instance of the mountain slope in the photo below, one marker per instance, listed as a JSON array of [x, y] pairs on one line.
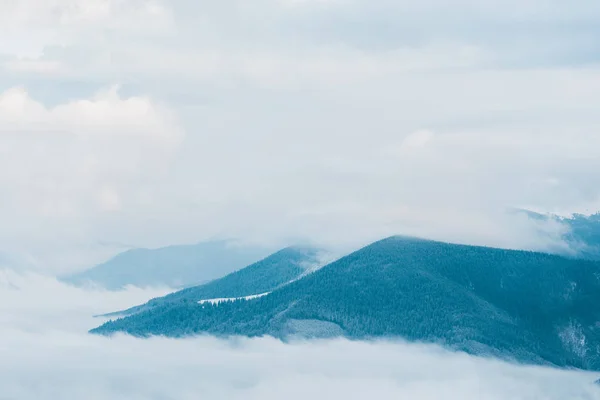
[[583, 232], [261, 277], [172, 266], [528, 306]]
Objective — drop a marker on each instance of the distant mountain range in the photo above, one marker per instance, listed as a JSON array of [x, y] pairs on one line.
[[188, 265], [519, 305], [259, 278], [173, 266], [583, 235]]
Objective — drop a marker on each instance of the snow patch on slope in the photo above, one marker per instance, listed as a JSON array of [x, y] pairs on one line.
[[225, 299]]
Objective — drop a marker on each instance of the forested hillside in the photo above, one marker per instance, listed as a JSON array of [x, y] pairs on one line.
[[263, 276], [528, 306]]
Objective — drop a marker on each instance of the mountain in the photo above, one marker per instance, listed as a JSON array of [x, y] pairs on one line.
[[526, 306], [261, 277], [173, 266], [582, 234]]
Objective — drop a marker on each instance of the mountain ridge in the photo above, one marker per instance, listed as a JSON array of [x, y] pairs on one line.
[[523, 305], [263, 276], [582, 232], [170, 266]]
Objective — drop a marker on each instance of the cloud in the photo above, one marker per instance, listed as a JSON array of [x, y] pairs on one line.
[[411, 144], [47, 354], [125, 368], [39, 304], [332, 121], [105, 114], [296, 43], [62, 167]]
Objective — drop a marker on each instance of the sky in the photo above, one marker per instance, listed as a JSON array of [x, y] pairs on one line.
[[145, 123], [127, 123], [47, 354]]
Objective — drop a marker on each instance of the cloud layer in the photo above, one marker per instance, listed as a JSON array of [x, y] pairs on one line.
[[46, 355], [71, 367], [63, 168], [333, 121]]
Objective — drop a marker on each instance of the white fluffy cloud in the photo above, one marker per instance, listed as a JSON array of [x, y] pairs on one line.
[[335, 121], [46, 354], [39, 304], [75, 366], [106, 114], [65, 166]]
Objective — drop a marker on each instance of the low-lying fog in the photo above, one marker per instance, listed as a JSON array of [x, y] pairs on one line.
[[47, 354]]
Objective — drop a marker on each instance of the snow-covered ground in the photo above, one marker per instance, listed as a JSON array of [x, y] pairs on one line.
[[217, 301]]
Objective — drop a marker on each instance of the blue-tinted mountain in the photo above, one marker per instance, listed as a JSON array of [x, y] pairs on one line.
[[582, 235], [527, 306], [261, 277], [585, 233], [172, 266]]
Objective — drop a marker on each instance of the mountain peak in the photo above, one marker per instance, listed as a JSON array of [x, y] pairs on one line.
[[514, 304]]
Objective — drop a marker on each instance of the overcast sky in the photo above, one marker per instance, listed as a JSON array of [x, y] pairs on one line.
[[146, 123], [149, 122]]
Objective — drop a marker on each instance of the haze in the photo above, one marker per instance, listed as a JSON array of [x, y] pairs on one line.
[[332, 123], [147, 123]]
